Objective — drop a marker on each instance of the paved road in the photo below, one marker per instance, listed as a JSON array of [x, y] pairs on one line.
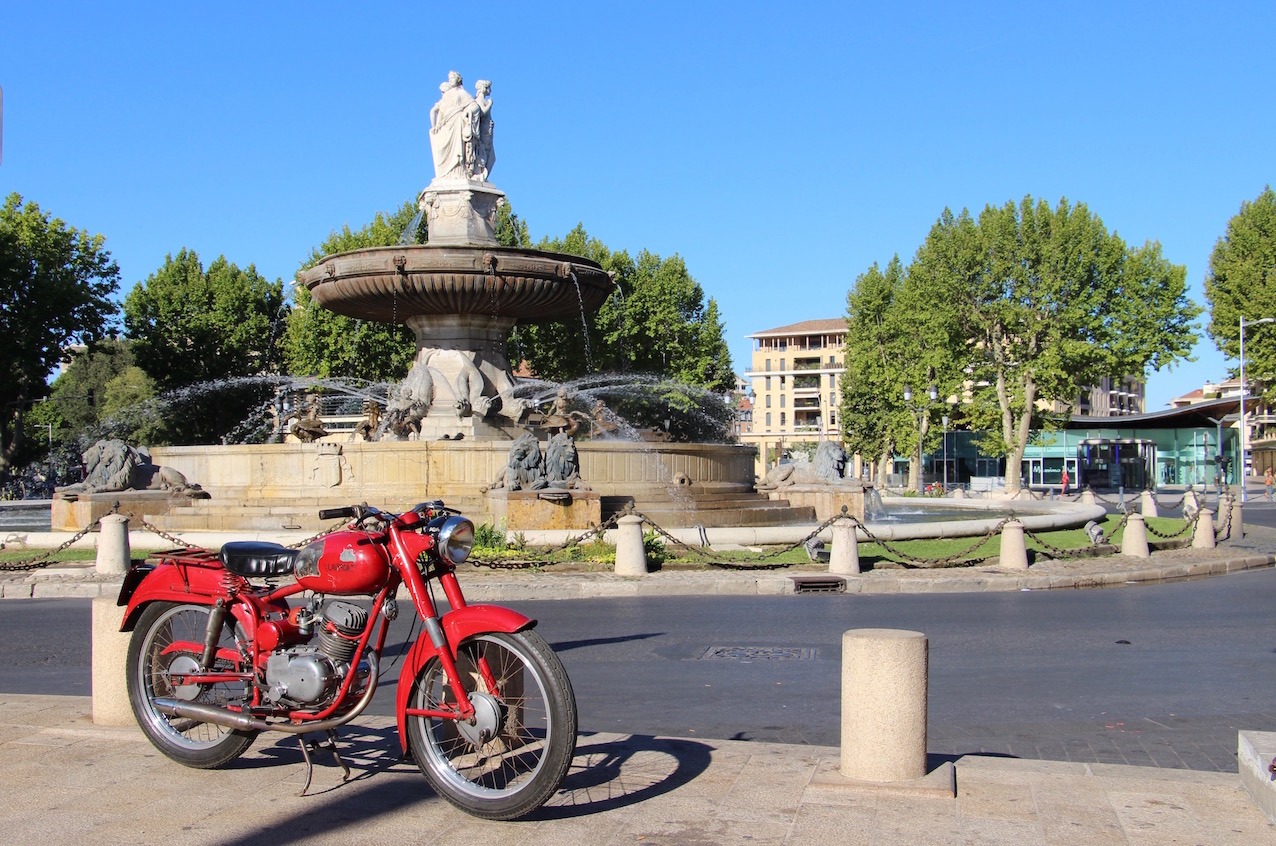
[[1158, 675]]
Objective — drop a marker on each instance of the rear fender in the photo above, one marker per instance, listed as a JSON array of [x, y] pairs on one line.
[[457, 625]]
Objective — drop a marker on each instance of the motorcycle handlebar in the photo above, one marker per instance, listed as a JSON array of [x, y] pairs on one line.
[[337, 513]]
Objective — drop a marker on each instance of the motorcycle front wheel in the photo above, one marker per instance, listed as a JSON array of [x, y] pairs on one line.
[[517, 753], [169, 637]]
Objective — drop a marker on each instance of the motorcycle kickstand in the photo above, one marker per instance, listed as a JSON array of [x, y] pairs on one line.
[[330, 746]]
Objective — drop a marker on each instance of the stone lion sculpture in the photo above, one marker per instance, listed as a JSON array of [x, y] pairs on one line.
[[112, 465], [525, 469], [562, 463], [828, 468]]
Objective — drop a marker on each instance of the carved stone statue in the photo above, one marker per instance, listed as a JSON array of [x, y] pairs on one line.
[[828, 468], [410, 404], [525, 469], [371, 422], [461, 131], [112, 465], [309, 428], [562, 464]]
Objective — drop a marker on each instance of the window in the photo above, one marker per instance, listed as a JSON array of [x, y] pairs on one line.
[[781, 400], [768, 364], [782, 364], [768, 418], [768, 400], [768, 383], [781, 419], [782, 383], [832, 418]]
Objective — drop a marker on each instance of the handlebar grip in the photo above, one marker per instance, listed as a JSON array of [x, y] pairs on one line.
[[337, 513]]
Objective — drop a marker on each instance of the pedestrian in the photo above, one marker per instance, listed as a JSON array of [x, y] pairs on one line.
[[1269, 482], [1063, 483]]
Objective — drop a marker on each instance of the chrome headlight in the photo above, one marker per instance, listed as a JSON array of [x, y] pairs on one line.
[[456, 538]]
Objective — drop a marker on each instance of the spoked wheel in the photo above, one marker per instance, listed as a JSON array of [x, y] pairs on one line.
[[517, 752], [169, 638]]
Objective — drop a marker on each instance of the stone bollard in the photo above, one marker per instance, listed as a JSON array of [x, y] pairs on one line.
[[1014, 550], [960, 493], [631, 556], [1203, 534], [1088, 497], [844, 560], [1147, 504], [110, 657], [884, 708], [1235, 523], [1134, 541], [112, 546]]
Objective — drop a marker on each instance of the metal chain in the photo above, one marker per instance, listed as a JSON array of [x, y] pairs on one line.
[[324, 533], [733, 565], [41, 561], [1188, 526], [165, 535], [957, 559]]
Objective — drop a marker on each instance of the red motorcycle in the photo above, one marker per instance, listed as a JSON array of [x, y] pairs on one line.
[[218, 655]]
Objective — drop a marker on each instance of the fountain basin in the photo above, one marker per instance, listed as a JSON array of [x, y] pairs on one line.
[[391, 284]]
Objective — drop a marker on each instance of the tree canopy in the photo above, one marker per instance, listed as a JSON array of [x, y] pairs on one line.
[[56, 284], [1242, 281], [195, 327], [318, 342], [1019, 309]]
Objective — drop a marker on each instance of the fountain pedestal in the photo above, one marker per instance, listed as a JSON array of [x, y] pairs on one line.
[[461, 211], [545, 509], [827, 500]]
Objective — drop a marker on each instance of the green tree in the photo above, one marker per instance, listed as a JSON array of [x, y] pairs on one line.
[[901, 336], [1242, 282], [658, 322], [1050, 302], [194, 328], [318, 342], [56, 284], [99, 385]]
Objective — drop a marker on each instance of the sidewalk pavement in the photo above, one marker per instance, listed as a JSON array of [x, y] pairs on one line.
[[69, 781]]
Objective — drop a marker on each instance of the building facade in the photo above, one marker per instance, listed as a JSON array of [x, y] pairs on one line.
[[794, 378]]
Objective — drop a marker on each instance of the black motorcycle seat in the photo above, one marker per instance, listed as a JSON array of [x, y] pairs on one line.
[[257, 558]]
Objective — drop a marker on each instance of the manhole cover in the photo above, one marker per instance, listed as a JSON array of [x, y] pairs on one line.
[[758, 653]]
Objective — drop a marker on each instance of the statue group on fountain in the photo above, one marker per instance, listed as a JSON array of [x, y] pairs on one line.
[[461, 131]]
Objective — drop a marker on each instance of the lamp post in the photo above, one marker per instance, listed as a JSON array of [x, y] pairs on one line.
[[1244, 425], [920, 410], [945, 455]]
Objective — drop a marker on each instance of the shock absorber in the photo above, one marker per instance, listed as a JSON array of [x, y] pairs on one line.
[[216, 619]]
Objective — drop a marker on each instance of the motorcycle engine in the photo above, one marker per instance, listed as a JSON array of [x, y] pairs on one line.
[[310, 673]]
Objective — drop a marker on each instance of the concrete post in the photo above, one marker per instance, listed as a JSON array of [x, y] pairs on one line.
[[1203, 534], [1147, 504], [1235, 521], [884, 676], [631, 557], [844, 559], [110, 656], [112, 545], [1014, 549], [1134, 540], [959, 493], [1087, 497]]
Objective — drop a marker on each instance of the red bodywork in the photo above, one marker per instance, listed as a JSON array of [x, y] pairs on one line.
[[352, 562]]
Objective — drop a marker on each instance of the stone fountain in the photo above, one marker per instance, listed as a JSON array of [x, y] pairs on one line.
[[448, 427]]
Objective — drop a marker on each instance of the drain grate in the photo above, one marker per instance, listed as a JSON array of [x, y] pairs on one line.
[[758, 653], [818, 584]]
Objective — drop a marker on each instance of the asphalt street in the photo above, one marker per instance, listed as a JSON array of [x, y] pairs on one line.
[[1160, 675]]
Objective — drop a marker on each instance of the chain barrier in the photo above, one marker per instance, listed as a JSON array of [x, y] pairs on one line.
[[39, 562], [957, 559], [732, 565], [1224, 519], [1188, 527], [1079, 552]]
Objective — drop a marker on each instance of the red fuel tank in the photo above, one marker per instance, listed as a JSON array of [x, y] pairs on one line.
[[343, 563]]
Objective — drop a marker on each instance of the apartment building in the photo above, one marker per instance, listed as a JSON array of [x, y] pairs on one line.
[[794, 381]]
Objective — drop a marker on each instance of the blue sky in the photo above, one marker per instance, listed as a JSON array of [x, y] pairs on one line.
[[780, 149]]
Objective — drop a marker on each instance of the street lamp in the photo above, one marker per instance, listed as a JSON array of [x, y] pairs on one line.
[[945, 418], [1244, 425], [920, 410]]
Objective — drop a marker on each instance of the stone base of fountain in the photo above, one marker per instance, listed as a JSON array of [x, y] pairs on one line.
[[71, 514], [827, 500], [268, 487], [461, 211], [545, 509]]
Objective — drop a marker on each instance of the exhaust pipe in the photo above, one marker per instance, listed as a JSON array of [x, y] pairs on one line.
[[236, 720]]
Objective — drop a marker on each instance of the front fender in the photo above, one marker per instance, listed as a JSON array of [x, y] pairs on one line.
[[458, 625]]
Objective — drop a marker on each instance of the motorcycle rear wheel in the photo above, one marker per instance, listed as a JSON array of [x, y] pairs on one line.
[[189, 742], [514, 772]]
